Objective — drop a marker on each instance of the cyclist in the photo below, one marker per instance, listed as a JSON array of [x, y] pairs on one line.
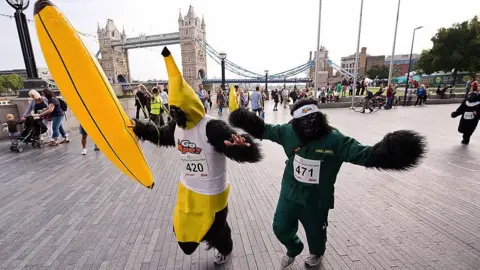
[[366, 101]]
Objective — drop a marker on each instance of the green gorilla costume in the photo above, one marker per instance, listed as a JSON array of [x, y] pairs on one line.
[[315, 152]]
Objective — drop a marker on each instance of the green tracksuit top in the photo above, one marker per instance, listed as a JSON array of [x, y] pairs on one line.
[[328, 154]]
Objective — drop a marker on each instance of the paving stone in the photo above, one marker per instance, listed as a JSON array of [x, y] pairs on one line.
[[59, 209]]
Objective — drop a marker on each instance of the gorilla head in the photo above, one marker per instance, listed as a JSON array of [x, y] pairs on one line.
[[179, 116], [308, 122], [473, 97]]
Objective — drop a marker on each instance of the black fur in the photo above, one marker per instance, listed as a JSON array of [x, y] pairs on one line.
[[218, 132], [248, 121], [320, 122], [179, 116], [399, 150], [160, 136]]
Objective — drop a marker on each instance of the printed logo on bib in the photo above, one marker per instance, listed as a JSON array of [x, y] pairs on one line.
[[306, 170], [468, 115], [194, 162], [186, 146]]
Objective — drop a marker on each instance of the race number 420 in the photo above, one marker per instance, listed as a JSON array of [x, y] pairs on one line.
[[194, 167]]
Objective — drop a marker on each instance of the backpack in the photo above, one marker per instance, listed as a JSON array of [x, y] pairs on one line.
[[63, 105]]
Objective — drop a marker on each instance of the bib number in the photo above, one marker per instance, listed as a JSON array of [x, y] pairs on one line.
[[468, 115], [194, 166], [306, 170]]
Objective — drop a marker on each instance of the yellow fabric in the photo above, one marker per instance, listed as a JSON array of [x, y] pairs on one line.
[[182, 95], [99, 112], [194, 213], [232, 99], [156, 105]]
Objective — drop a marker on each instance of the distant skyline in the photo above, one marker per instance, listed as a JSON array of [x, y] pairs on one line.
[[257, 35]]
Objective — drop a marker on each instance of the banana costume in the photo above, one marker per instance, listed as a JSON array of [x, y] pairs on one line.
[[201, 209]]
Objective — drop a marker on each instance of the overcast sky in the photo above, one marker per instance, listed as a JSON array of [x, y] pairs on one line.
[[256, 34]]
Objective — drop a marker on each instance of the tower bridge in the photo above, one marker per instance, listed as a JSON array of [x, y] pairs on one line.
[[114, 58]]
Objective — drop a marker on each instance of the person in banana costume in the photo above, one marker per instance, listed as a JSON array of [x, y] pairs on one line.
[[204, 144]]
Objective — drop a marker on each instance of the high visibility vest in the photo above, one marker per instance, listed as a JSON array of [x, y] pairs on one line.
[[156, 105]]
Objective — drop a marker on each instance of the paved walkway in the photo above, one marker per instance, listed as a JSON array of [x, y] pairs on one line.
[[61, 210]]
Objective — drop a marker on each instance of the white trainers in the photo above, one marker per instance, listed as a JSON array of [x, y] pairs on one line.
[[84, 152], [220, 259], [287, 261], [313, 260], [207, 246]]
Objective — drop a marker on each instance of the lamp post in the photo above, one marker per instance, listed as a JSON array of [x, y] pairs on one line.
[[315, 89], [266, 81], [24, 36], [409, 67], [358, 47], [223, 56], [393, 49]]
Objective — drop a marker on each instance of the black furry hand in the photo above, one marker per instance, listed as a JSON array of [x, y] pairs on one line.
[[140, 128], [399, 150], [454, 114], [160, 136], [248, 121]]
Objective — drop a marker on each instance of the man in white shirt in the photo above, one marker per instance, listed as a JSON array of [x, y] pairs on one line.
[[164, 97], [285, 97]]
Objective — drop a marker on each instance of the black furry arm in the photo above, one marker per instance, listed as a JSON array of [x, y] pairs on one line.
[[160, 136], [460, 110], [255, 126], [399, 150], [248, 121], [218, 132]]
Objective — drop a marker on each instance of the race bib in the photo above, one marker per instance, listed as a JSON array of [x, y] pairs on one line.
[[468, 116], [194, 165], [306, 170]]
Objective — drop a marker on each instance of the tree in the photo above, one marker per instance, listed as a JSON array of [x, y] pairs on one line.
[[13, 82], [454, 49], [378, 71]]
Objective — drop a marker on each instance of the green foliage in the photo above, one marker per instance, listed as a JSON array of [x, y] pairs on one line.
[[380, 71], [456, 48], [12, 82]]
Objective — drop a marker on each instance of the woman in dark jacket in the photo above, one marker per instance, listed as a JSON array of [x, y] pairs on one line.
[[57, 114]]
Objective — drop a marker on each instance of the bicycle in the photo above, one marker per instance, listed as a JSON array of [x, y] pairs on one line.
[[374, 105]]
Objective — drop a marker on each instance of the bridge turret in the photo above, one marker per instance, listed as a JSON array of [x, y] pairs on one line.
[[180, 18]]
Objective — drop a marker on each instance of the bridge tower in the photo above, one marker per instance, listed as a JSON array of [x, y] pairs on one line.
[[114, 60], [194, 60]]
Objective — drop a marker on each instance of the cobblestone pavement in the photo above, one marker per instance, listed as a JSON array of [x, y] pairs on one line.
[[61, 210]]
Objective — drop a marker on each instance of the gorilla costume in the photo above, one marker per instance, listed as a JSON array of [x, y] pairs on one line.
[[204, 144], [315, 152], [470, 112]]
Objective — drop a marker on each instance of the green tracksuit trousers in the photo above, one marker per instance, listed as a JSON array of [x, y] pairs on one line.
[[314, 220]]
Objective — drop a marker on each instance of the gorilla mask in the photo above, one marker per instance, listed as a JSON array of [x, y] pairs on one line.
[[308, 122]]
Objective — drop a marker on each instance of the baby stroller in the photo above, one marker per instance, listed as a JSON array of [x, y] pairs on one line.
[[33, 129]]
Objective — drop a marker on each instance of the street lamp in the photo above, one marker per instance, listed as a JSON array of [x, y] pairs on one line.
[[24, 35], [266, 81], [223, 56], [317, 55], [356, 55], [409, 66], [393, 49]]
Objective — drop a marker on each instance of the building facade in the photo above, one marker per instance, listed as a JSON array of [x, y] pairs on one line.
[[114, 60], [348, 62], [400, 63], [374, 61], [194, 62]]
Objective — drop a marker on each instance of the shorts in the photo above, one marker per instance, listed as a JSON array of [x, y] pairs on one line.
[[83, 132]]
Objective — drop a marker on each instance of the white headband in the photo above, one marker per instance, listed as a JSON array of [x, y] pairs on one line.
[[305, 110]]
